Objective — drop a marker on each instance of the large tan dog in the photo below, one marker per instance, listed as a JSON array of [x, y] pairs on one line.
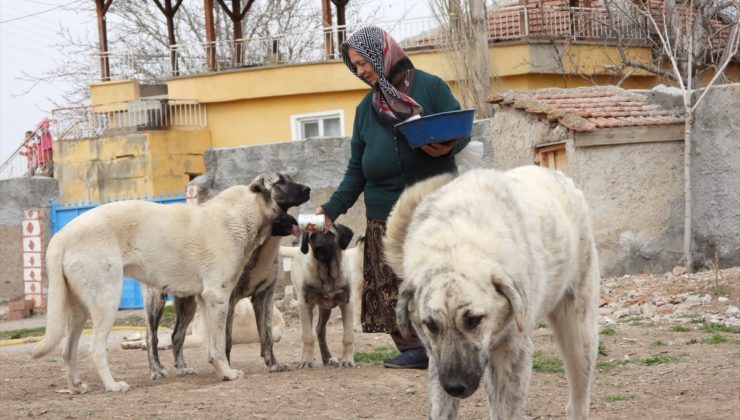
[[321, 278], [179, 249], [483, 258]]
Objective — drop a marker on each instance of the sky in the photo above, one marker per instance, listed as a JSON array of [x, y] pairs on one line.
[[30, 28]]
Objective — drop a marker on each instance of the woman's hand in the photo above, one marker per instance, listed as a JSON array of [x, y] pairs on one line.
[[329, 223], [439, 149]]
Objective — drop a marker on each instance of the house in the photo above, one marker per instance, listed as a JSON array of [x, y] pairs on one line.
[[625, 150]]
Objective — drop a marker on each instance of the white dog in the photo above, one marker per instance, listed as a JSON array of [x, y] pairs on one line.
[[182, 250], [322, 278], [483, 258]]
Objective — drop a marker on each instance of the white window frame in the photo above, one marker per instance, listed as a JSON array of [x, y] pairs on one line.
[[295, 122]]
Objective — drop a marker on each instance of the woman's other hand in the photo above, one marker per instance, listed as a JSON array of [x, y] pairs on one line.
[[438, 149], [328, 223]]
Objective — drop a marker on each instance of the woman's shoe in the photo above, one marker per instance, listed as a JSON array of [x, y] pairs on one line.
[[410, 359]]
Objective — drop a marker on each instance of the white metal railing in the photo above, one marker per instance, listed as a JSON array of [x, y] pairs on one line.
[[144, 114], [506, 23]]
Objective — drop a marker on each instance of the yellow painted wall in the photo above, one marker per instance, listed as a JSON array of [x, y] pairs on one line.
[[104, 94], [151, 162]]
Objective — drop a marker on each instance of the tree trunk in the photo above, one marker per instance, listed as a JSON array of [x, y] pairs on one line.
[[482, 82], [687, 221]]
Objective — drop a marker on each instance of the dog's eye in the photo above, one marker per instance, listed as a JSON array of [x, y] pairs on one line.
[[472, 321], [431, 326]]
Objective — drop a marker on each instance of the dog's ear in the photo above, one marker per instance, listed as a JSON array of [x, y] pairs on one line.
[[304, 243], [505, 286], [344, 235], [405, 300], [258, 186]]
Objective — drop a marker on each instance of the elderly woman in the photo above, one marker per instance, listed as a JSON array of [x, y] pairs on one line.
[[382, 165]]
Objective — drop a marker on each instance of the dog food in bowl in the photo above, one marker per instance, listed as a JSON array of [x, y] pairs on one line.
[[311, 222]]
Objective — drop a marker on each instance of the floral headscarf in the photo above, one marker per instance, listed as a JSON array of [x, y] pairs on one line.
[[396, 74]]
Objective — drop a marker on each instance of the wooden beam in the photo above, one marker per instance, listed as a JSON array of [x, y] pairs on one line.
[[169, 13], [326, 23], [210, 35], [101, 8], [341, 23], [628, 135]]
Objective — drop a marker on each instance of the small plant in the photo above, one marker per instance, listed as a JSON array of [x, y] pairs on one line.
[[719, 291], [715, 339], [376, 356], [602, 349], [617, 397], [544, 364], [605, 367], [657, 343], [542, 324], [608, 331], [715, 328], [659, 359], [22, 333], [693, 341], [642, 324], [680, 328]]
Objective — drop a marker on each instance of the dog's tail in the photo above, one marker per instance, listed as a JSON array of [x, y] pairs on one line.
[[400, 217], [56, 313], [289, 251]]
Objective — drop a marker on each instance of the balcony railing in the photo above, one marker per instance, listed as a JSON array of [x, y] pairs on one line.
[[118, 118], [505, 24]]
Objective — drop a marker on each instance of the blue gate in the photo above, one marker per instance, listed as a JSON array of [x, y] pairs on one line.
[[63, 214]]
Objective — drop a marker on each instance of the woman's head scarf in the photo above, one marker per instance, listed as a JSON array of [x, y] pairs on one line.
[[390, 100]]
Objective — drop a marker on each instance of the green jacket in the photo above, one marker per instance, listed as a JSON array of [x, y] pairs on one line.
[[382, 164]]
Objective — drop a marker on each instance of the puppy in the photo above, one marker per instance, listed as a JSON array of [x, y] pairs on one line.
[[318, 280]]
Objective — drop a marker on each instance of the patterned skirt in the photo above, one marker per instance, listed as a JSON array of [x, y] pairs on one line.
[[380, 289]]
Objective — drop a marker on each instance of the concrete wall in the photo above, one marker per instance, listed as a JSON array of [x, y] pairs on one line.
[[16, 196], [716, 176]]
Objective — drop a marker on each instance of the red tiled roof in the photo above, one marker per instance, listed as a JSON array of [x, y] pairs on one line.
[[586, 109]]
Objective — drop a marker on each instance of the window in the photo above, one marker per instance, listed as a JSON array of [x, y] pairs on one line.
[[317, 124], [553, 157]]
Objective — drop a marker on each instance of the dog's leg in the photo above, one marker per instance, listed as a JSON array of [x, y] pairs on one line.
[[76, 318], [184, 312], [348, 335], [574, 323], [233, 300], [215, 312], [103, 317], [262, 304], [507, 380], [441, 405], [305, 310], [324, 315], [154, 301]]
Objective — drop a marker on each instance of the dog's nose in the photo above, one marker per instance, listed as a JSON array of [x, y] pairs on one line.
[[455, 389], [306, 190]]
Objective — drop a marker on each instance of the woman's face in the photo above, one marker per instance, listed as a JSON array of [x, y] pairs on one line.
[[364, 69]]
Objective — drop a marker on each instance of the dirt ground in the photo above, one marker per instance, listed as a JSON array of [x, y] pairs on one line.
[[658, 368]]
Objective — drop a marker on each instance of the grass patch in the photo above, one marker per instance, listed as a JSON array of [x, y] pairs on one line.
[[693, 341], [657, 343], [544, 364], [659, 359], [617, 397], [376, 356], [22, 333], [716, 328], [641, 324], [608, 331], [605, 367], [602, 349], [715, 339], [680, 328], [719, 291]]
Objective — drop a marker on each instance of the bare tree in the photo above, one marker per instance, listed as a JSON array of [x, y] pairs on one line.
[[139, 47], [690, 39], [464, 25]]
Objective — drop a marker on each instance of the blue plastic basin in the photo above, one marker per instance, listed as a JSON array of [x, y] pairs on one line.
[[437, 128]]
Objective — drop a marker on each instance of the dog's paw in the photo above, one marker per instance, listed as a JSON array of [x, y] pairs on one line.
[[278, 367], [333, 361], [80, 388], [156, 374], [185, 371], [347, 364], [117, 387], [232, 374], [305, 364]]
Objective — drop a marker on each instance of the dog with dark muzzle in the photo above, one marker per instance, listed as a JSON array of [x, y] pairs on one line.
[[257, 280], [320, 279]]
